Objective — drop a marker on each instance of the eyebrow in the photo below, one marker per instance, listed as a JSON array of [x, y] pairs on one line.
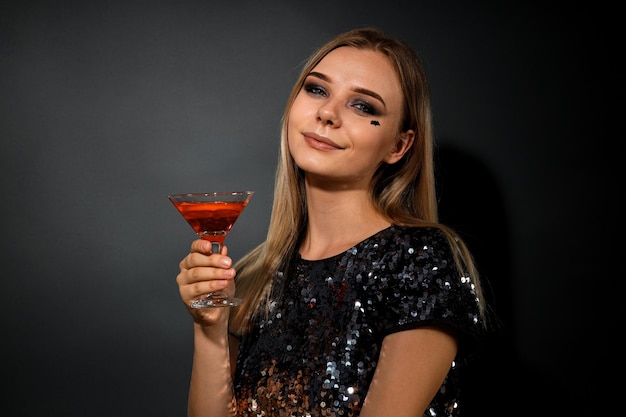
[[356, 89]]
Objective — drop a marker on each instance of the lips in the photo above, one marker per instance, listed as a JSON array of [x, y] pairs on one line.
[[320, 142]]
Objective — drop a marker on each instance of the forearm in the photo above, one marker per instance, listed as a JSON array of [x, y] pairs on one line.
[[211, 387]]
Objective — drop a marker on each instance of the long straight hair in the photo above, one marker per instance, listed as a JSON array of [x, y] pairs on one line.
[[403, 193]]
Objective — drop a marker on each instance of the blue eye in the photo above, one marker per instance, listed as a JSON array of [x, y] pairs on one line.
[[314, 89], [364, 107]]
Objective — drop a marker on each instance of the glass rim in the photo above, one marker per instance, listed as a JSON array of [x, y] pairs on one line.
[[216, 193]]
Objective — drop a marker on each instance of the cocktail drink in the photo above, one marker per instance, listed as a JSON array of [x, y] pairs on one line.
[[212, 215]]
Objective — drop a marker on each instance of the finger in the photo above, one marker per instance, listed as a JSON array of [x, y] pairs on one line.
[[199, 261], [198, 256], [194, 282], [197, 289], [208, 273], [201, 246], [204, 246]]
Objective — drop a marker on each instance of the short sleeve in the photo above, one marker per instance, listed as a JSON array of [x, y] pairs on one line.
[[423, 287]]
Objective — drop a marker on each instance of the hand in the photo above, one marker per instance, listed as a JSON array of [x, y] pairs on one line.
[[202, 272]]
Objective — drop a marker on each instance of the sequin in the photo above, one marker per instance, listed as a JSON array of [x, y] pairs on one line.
[[316, 353]]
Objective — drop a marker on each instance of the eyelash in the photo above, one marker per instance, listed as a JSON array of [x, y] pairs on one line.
[[360, 105]]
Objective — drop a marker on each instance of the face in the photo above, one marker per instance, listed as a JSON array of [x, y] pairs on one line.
[[345, 121]]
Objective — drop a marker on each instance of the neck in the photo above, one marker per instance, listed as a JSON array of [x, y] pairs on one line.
[[337, 220]]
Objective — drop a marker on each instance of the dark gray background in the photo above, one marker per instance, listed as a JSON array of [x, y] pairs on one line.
[[108, 107]]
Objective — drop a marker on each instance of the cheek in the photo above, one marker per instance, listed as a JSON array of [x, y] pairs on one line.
[[383, 147], [299, 110], [374, 137]]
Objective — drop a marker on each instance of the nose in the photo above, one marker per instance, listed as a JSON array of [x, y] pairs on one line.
[[328, 115]]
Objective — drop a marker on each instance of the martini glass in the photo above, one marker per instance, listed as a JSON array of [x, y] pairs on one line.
[[212, 215]]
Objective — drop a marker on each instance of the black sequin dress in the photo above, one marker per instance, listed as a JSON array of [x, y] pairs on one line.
[[316, 353]]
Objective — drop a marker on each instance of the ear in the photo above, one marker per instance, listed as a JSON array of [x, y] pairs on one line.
[[403, 144]]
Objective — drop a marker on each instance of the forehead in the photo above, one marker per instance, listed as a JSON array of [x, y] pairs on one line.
[[363, 68]]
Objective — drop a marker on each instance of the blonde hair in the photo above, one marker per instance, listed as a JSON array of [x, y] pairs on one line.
[[404, 192]]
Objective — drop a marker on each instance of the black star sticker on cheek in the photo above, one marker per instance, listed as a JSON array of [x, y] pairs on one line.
[[375, 123]]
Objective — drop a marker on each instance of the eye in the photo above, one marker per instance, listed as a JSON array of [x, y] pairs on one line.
[[314, 89], [364, 107]]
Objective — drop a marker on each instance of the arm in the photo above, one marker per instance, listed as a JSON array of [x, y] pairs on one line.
[[210, 390], [411, 367], [211, 386]]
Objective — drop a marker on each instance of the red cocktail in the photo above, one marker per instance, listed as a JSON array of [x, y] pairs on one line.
[[212, 215]]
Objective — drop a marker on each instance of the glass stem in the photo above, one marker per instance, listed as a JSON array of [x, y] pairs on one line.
[[216, 247]]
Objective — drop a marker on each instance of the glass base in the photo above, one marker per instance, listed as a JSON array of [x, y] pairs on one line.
[[211, 301]]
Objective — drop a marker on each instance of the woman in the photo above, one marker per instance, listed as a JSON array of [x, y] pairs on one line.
[[358, 303]]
